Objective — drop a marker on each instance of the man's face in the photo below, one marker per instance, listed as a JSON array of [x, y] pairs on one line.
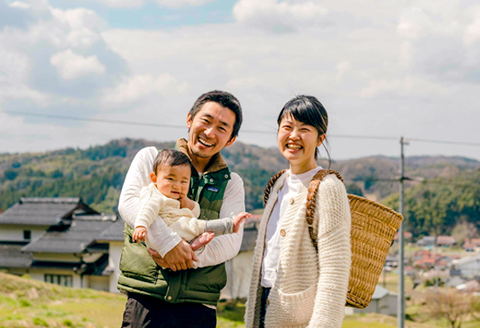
[[210, 130]]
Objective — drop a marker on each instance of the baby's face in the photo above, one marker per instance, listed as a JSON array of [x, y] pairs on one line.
[[173, 181]]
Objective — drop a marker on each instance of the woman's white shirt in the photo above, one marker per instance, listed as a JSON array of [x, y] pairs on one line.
[[272, 238]]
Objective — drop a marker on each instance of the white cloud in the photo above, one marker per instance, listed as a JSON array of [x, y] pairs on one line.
[[380, 68], [19, 4], [139, 87], [181, 3], [122, 3], [342, 68], [78, 18], [410, 86], [71, 66], [165, 3], [84, 26], [279, 16], [472, 31], [414, 23]]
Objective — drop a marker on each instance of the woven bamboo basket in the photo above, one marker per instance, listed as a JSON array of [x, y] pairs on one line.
[[373, 229]]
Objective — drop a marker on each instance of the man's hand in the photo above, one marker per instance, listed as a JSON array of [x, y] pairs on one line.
[[185, 202], [180, 257]]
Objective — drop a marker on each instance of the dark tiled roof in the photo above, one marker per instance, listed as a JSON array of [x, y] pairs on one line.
[[249, 238], [42, 211], [11, 256], [113, 232], [100, 268], [82, 232]]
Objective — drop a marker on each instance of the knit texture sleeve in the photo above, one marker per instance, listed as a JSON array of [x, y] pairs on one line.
[[151, 201], [196, 210], [334, 254]]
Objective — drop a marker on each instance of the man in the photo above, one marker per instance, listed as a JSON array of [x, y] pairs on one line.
[[179, 287]]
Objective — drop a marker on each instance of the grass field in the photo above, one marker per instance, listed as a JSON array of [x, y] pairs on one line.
[[27, 303]]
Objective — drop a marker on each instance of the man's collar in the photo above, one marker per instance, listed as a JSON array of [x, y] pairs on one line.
[[216, 162]]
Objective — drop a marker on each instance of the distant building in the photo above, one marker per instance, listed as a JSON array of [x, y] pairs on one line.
[[472, 245], [469, 267], [426, 241], [446, 241], [406, 236], [65, 242], [440, 241], [383, 302], [61, 241], [239, 268], [475, 242]]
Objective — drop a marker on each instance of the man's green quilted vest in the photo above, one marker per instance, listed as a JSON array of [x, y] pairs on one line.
[[140, 274]]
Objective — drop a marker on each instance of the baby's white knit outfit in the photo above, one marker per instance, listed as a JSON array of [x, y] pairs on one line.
[[181, 220], [310, 288]]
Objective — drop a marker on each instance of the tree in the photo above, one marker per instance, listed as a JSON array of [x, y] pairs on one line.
[[453, 306]]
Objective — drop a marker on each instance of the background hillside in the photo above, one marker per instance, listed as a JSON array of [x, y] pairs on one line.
[[449, 193]]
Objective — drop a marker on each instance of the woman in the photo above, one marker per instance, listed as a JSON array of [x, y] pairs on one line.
[[293, 285]]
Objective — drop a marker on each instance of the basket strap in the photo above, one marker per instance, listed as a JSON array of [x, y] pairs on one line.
[[311, 200], [270, 185]]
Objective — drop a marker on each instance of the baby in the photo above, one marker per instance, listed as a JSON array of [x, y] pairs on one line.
[[166, 197]]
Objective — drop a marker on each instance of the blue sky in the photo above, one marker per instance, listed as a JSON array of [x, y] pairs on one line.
[[384, 69], [154, 16]]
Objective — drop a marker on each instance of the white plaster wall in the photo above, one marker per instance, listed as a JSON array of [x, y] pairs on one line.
[[15, 233], [91, 258], [39, 274], [115, 252], [98, 283], [238, 276]]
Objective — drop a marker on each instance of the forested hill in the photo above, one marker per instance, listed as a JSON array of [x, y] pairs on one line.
[[96, 174]]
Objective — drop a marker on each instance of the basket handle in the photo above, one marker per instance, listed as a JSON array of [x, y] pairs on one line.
[[311, 200]]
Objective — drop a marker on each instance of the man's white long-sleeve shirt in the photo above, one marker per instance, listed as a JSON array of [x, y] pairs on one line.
[[164, 239]]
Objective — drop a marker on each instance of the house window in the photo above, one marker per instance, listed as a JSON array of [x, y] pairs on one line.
[[27, 234], [59, 279]]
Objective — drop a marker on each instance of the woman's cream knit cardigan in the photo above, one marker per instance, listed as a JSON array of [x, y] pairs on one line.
[[311, 288]]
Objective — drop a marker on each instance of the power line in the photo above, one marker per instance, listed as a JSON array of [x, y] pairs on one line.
[[73, 118], [477, 144], [96, 120]]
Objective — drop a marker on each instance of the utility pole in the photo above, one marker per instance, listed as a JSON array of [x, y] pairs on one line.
[[401, 256]]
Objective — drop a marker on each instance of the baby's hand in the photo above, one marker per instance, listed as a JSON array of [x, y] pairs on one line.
[[185, 202], [139, 234], [238, 220]]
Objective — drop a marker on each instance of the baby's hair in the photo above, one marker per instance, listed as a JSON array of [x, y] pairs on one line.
[[170, 157]]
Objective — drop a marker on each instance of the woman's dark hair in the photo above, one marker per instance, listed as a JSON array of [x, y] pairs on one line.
[[225, 99], [310, 111], [170, 157]]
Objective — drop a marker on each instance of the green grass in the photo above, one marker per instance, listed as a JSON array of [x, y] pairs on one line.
[[26, 303]]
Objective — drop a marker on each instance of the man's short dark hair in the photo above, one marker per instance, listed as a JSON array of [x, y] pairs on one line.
[[170, 157], [225, 99]]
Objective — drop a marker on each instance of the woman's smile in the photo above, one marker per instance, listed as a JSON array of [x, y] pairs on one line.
[[298, 142]]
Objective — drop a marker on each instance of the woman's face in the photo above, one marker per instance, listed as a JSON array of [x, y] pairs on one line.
[[297, 142]]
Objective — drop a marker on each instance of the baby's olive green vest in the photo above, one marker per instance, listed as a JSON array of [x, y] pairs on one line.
[[140, 274]]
